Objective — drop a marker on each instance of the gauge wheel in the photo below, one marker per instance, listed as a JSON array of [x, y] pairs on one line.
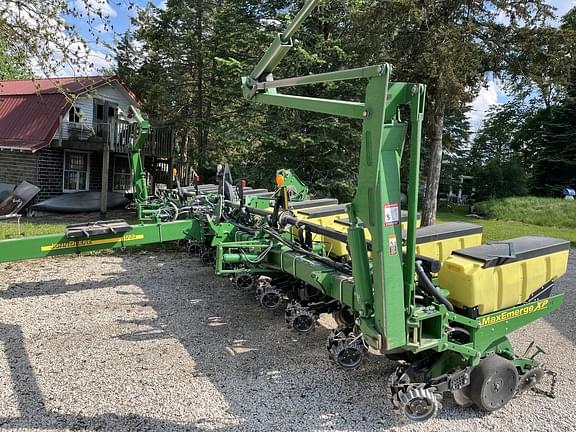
[[493, 383]]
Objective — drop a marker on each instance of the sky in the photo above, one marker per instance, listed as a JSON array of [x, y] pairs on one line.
[[119, 14], [492, 94]]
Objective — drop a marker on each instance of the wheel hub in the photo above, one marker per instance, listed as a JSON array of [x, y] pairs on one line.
[[346, 349], [300, 318], [269, 296], [418, 404]]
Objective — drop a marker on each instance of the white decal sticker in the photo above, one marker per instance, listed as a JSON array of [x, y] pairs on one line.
[[391, 214]]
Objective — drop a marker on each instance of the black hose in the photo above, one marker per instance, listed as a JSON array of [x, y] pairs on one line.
[[427, 286]]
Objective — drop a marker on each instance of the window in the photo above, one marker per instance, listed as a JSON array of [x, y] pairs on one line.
[[99, 112], [76, 171], [122, 177], [74, 115]]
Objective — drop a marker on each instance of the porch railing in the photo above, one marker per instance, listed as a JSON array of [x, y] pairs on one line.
[[120, 134]]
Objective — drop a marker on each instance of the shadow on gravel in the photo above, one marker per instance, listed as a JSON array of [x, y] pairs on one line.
[[564, 320], [56, 286], [33, 412], [271, 378]]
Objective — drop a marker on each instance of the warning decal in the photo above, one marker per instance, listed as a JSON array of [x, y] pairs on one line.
[[392, 246], [391, 214]]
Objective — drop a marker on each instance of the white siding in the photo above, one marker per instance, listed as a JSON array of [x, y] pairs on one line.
[[111, 92], [86, 107], [114, 93]]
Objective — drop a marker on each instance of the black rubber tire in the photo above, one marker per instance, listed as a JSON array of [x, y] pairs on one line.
[[493, 383], [208, 258]]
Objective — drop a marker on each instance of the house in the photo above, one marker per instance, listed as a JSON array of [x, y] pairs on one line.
[[53, 133]]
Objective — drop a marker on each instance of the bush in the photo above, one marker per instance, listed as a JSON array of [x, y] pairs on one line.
[[499, 179], [551, 212]]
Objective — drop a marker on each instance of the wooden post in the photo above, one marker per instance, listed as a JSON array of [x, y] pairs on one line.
[[105, 169]]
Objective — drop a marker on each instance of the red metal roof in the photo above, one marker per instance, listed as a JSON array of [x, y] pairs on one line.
[[30, 109], [29, 122], [52, 85]]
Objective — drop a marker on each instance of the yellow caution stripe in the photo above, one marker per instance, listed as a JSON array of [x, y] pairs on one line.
[[91, 242]]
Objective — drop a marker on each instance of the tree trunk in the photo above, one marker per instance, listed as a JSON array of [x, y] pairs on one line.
[[201, 135], [430, 204]]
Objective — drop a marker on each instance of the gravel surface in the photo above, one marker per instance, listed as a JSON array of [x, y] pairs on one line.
[[155, 341]]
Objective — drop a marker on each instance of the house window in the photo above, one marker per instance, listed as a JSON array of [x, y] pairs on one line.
[[74, 115], [76, 166], [100, 112], [122, 177]]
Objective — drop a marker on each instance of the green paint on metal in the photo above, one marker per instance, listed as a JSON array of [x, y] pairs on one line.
[[59, 244]]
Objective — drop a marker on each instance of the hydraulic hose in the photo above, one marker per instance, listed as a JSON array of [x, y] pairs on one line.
[[427, 286]]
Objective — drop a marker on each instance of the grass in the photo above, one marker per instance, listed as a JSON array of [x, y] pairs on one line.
[[56, 223], [10, 229], [505, 227], [545, 212], [507, 218]]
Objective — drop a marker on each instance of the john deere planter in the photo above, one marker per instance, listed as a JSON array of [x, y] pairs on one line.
[[435, 299]]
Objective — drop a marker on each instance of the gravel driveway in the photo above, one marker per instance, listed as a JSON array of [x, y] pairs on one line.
[[154, 341]]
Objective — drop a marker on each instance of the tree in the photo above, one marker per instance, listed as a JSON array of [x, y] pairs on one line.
[[450, 46], [191, 78], [456, 142], [12, 65], [43, 32]]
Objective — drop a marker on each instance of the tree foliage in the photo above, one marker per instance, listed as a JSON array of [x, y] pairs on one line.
[[450, 46], [185, 61], [12, 65], [45, 33]]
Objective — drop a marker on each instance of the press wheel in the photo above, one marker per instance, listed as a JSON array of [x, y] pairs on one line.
[[493, 383]]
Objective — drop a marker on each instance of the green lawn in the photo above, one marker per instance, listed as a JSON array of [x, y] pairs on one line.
[[56, 223], [560, 215], [10, 230], [507, 228], [547, 212]]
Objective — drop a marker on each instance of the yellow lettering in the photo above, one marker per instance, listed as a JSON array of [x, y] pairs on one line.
[[90, 242], [506, 315]]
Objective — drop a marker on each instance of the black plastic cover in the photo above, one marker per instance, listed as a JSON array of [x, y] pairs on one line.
[[445, 231], [99, 228], [324, 211], [513, 250], [313, 203]]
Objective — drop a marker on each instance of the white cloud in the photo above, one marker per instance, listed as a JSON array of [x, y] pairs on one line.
[[562, 6], [487, 98], [93, 7], [103, 28]]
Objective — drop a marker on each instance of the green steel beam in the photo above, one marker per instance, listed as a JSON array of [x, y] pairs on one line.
[[325, 106], [377, 205], [136, 164], [281, 44], [417, 102], [349, 74], [58, 244]]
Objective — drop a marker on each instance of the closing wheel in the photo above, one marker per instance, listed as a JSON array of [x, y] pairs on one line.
[[419, 404], [304, 323], [530, 379], [347, 351], [493, 383], [194, 248], [207, 257], [245, 281], [271, 298]]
